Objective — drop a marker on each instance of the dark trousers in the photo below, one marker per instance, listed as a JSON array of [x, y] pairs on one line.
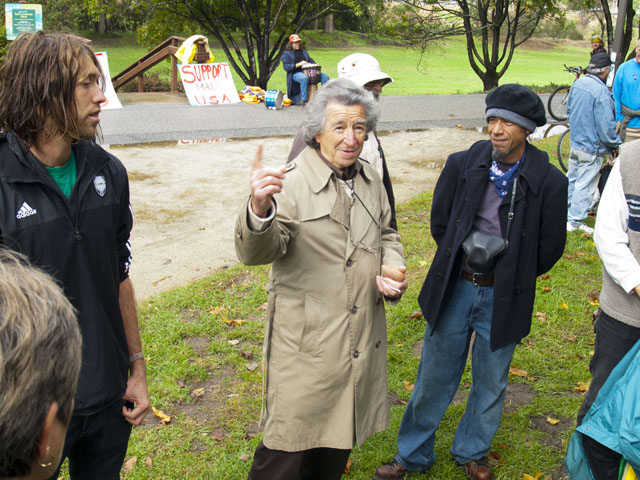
[[613, 340], [96, 444], [313, 464]]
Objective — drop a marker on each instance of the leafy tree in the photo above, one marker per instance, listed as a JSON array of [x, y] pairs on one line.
[[493, 29], [252, 33]]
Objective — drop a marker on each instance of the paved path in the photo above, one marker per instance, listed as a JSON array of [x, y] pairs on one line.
[[164, 117]]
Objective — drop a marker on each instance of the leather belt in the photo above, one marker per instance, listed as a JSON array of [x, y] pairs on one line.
[[478, 279]]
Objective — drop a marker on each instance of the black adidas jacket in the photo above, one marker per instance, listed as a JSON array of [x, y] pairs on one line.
[[83, 241]]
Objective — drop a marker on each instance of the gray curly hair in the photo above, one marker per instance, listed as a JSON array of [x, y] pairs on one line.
[[342, 91], [40, 358]]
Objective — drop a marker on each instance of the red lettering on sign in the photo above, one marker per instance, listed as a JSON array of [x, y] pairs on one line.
[[187, 74]]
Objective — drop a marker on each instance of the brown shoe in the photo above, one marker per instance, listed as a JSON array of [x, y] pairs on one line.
[[478, 470], [392, 471]]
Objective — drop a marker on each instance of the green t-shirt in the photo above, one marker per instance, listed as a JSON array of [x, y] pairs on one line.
[[65, 175]]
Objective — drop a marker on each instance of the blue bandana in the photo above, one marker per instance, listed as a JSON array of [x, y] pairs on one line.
[[502, 181]]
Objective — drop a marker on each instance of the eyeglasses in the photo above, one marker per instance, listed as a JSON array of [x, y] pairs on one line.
[[358, 243]]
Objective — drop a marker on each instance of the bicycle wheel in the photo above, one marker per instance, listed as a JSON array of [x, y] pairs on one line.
[[564, 146], [557, 104]]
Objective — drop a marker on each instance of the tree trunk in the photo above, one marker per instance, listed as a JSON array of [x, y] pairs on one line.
[[609, 23], [101, 26], [489, 81], [628, 30], [314, 24], [328, 23]]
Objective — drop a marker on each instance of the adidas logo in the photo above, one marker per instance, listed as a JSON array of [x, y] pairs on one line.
[[26, 211]]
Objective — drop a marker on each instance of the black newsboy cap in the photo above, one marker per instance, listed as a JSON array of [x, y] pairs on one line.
[[517, 104]]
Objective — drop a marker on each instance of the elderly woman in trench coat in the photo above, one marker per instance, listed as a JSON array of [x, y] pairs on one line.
[[323, 223]]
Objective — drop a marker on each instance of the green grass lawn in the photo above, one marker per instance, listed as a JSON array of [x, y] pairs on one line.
[[204, 348], [442, 70]]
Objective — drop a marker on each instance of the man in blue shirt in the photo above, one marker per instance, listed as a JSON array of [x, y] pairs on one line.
[[626, 92], [593, 135]]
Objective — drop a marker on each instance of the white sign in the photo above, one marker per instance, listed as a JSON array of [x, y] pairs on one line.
[[208, 84], [22, 17], [112, 99]]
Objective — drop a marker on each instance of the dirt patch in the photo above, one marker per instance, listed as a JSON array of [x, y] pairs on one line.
[[553, 431], [518, 394], [185, 198]]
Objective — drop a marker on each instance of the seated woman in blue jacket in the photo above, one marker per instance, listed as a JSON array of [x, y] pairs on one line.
[[293, 59]]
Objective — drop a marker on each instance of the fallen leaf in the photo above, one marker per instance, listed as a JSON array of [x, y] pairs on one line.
[[582, 386], [526, 476], [546, 289], [415, 315], [164, 418], [148, 462], [233, 342], [158, 281], [347, 467], [129, 464], [552, 421], [244, 457], [541, 316], [252, 366], [408, 386], [217, 436], [264, 306], [571, 339], [564, 305], [197, 393], [402, 402], [246, 354], [518, 372], [495, 457], [219, 310], [544, 277], [181, 383]]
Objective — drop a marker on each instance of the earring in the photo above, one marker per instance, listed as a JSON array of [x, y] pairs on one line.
[[49, 457]]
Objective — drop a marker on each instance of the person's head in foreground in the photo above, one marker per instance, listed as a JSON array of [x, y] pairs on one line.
[[338, 120], [512, 113], [364, 70], [600, 64], [50, 87], [40, 357]]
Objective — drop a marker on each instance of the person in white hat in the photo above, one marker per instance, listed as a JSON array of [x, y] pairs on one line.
[[364, 70]]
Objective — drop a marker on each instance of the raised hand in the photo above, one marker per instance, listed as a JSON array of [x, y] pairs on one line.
[[265, 183]]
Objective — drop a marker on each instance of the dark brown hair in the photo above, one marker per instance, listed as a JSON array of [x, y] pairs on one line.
[[37, 82]]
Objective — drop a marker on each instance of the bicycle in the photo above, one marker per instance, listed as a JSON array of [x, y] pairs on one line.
[[563, 149], [557, 103]]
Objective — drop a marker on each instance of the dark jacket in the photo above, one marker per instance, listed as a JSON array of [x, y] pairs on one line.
[[537, 237], [83, 241], [289, 64]]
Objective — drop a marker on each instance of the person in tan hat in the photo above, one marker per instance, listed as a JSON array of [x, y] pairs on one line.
[[293, 59], [364, 70]]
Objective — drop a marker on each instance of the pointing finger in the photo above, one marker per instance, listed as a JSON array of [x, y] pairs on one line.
[[257, 162]]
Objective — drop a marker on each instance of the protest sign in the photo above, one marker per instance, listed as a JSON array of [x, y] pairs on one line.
[[22, 17], [112, 99], [208, 84]]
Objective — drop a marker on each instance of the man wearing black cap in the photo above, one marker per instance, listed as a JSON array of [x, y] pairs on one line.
[[508, 188], [591, 111]]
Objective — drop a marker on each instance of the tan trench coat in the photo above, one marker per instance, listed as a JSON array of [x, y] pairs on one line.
[[325, 352]]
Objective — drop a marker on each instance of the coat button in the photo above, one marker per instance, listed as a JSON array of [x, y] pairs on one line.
[[354, 309], [439, 276], [349, 263], [356, 354]]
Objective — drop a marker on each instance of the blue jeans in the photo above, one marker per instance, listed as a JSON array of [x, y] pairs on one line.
[[442, 363], [303, 80], [583, 181]]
